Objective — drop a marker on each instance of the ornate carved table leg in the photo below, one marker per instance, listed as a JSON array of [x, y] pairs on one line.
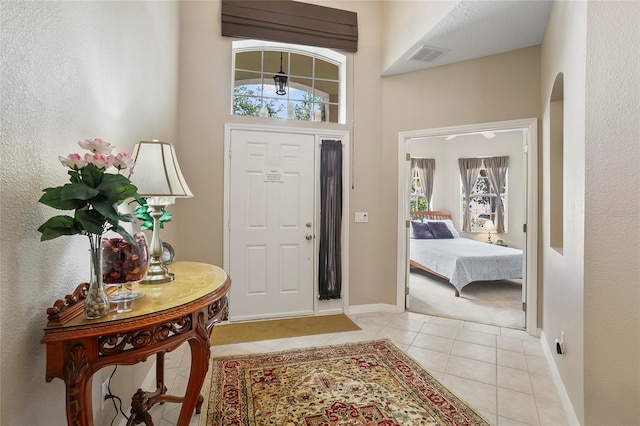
[[199, 404], [140, 409], [77, 379], [141, 401], [161, 389], [199, 365]]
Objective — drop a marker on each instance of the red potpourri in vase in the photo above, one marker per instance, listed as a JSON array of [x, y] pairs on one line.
[[124, 263]]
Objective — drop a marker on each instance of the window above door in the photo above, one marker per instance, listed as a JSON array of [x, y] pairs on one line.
[[315, 89]]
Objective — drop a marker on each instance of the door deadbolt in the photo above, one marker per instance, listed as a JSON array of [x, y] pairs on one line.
[[308, 236], [308, 224]]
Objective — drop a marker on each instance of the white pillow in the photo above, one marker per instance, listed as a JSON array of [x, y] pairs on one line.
[[449, 225]]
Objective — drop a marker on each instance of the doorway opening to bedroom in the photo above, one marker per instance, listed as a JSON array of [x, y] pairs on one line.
[[480, 182]]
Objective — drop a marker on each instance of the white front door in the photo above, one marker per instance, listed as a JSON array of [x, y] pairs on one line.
[[271, 224]]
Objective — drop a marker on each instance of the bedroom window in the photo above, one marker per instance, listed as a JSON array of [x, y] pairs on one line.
[[417, 199], [483, 203], [316, 81], [422, 170]]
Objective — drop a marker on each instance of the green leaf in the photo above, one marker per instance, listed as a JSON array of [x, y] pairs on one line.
[[120, 230], [91, 175], [126, 217], [166, 216], [147, 226], [52, 197], [107, 209], [91, 220], [141, 213], [128, 191], [117, 188], [58, 226], [75, 176], [49, 234], [78, 191]]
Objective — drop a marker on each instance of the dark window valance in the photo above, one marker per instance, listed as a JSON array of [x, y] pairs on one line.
[[289, 21]]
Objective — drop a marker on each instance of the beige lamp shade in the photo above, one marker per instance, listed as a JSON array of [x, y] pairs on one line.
[[489, 226], [156, 172]]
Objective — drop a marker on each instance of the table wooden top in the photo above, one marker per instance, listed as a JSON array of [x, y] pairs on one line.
[[192, 281]]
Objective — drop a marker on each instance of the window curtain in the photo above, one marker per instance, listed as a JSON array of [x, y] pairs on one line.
[[426, 167], [291, 22], [497, 174], [330, 265], [469, 170]]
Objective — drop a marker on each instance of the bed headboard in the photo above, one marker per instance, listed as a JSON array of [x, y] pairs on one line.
[[433, 214]]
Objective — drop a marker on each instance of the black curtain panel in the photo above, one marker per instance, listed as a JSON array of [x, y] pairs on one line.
[[330, 274]]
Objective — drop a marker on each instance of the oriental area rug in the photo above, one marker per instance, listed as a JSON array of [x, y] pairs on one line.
[[368, 383]]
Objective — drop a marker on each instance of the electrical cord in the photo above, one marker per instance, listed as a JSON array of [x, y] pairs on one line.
[[113, 398]]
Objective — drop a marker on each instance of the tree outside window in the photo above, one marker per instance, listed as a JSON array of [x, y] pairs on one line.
[[315, 83], [482, 203], [417, 199]]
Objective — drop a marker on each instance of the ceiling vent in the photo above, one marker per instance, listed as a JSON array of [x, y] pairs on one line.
[[427, 54]]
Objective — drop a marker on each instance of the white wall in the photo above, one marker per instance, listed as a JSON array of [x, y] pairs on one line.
[[563, 50], [70, 71], [446, 190], [205, 106], [612, 215], [591, 289]]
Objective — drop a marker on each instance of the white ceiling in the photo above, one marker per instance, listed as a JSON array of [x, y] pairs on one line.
[[477, 28]]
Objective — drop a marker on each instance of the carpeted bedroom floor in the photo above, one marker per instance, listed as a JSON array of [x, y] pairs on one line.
[[491, 302]]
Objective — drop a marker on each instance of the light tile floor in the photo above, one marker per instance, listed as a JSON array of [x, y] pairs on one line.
[[500, 372]]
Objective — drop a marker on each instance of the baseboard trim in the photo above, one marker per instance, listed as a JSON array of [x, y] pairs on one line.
[[557, 379], [374, 307]]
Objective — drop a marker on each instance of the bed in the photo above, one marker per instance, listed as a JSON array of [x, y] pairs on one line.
[[459, 260]]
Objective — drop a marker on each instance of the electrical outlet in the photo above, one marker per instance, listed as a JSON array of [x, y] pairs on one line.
[[560, 348], [104, 392], [361, 217]]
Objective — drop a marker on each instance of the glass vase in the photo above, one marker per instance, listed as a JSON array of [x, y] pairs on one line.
[[96, 304], [124, 263]]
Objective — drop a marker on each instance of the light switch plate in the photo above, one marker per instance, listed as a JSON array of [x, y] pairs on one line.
[[361, 217]]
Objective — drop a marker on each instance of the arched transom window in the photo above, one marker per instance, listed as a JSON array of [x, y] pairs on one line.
[[315, 89]]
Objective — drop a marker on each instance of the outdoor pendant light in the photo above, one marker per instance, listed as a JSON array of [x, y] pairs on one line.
[[281, 80]]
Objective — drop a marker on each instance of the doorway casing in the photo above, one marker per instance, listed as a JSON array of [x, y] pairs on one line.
[[530, 129]]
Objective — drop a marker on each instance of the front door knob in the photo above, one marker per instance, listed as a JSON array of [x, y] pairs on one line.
[[309, 236]]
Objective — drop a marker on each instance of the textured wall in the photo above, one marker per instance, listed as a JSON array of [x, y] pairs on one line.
[[563, 51], [70, 71], [612, 215]]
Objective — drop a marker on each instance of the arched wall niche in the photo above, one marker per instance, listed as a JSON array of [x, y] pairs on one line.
[[556, 163]]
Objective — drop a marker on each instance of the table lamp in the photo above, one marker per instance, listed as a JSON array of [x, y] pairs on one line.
[[490, 227], [159, 179]]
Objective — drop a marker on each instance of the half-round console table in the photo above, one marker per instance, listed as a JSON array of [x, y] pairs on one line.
[[168, 315]]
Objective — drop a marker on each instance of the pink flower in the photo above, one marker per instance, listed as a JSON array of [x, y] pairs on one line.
[[73, 161], [123, 161], [97, 146], [99, 160]]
